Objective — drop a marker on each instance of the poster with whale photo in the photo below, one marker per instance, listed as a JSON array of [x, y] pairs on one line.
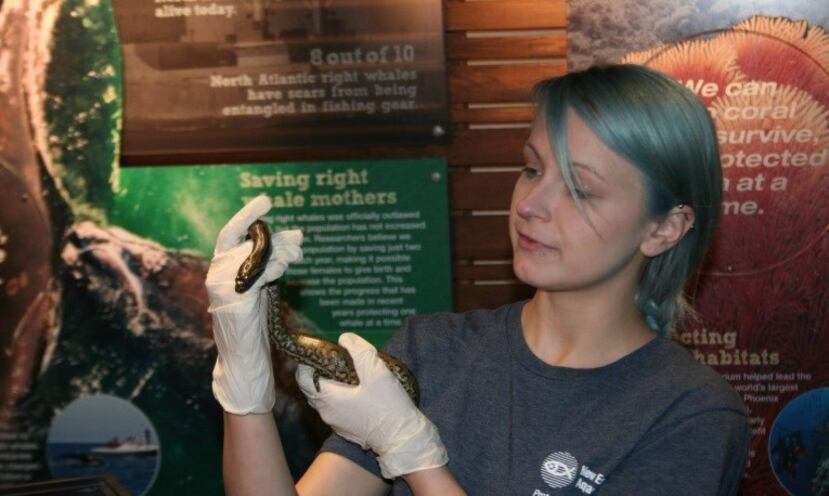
[[106, 347]]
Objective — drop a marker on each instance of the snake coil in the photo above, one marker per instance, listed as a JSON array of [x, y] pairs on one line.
[[328, 359]]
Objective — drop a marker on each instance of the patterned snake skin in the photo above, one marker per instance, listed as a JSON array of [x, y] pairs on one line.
[[328, 359]]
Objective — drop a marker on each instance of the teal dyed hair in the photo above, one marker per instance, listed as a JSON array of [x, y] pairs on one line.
[[664, 130]]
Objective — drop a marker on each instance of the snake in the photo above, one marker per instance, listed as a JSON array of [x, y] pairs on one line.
[[328, 359]]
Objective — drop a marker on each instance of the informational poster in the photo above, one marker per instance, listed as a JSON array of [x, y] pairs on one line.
[[761, 68], [374, 252], [106, 349], [124, 387], [235, 75]]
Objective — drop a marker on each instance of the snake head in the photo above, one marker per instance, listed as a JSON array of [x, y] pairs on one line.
[[244, 283], [254, 265]]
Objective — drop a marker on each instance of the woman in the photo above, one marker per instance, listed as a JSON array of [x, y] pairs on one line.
[[576, 391]]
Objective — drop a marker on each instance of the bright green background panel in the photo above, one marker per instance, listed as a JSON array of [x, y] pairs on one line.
[[376, 232]]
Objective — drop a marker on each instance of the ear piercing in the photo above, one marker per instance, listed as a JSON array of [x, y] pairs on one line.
[[681, 206]]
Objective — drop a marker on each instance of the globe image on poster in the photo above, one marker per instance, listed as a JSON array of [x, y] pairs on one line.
[[799, 444], [103, 434]]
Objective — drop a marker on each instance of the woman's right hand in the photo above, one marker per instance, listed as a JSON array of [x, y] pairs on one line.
[[377, 414], [243, 376]]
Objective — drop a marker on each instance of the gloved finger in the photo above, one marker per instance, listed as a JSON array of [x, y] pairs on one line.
[[289, 237], [238, 225], [287, 246], [286, 251], [359, 349], [287, 254], [355, 343], [221, 276], [305, 379], [328, 388], [273, 271], [304, 375], [230, 259]]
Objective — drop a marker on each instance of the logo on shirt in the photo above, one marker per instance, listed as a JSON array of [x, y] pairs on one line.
[[559, 469]]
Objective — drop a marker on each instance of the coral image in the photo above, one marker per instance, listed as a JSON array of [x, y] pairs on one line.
[[601, 32], [766, 86], [765, 82]]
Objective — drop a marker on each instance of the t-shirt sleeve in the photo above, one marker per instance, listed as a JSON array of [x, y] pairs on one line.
[[704, 453], [400, 345]]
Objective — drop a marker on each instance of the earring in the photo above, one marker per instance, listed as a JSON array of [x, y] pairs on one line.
[[681, 206]]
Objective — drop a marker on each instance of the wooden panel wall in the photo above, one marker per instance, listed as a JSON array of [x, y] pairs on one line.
[[496, 50]]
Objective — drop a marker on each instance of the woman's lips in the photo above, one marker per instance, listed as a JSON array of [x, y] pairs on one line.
[[531, 244]]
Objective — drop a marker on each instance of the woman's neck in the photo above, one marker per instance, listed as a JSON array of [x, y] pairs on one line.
[[580, 330]]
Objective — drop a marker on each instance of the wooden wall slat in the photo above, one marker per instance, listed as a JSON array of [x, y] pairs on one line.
[[481, 237], [297, 154], [469, 297], [487, 237], [499, 83], [481, 191], [505, 14], [460, 46], [491, 115], [487, 147]]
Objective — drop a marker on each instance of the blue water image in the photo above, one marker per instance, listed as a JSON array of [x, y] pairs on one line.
[[799, 444], [134, 471]]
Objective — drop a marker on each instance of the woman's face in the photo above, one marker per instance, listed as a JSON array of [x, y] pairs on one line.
[[555, 247]]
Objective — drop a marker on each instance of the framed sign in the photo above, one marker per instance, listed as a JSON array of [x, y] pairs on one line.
[[240, 75], [374, 252]]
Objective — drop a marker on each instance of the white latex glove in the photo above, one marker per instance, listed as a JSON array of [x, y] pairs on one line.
[[377, 414], [242, 376]]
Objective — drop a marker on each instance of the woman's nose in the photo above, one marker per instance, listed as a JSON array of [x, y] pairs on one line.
[[533, 201]]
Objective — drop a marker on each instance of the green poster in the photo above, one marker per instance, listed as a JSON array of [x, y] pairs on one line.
[[106, 342], [376, 245]]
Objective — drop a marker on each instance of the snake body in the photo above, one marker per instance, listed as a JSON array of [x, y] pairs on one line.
[[328, 359]]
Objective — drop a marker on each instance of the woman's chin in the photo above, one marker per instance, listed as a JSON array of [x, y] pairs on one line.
[[525, 272]]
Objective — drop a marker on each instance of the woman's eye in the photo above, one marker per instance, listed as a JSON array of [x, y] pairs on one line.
[[530, 172], [581, 194]]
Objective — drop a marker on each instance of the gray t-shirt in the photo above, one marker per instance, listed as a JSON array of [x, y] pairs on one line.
[[654, 422]]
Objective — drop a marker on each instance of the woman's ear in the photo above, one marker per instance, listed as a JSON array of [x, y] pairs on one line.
[[666, 233]]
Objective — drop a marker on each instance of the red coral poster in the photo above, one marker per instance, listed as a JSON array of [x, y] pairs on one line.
[[762, 70]]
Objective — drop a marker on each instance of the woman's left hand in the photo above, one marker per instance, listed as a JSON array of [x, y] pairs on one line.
[[377, 414]]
